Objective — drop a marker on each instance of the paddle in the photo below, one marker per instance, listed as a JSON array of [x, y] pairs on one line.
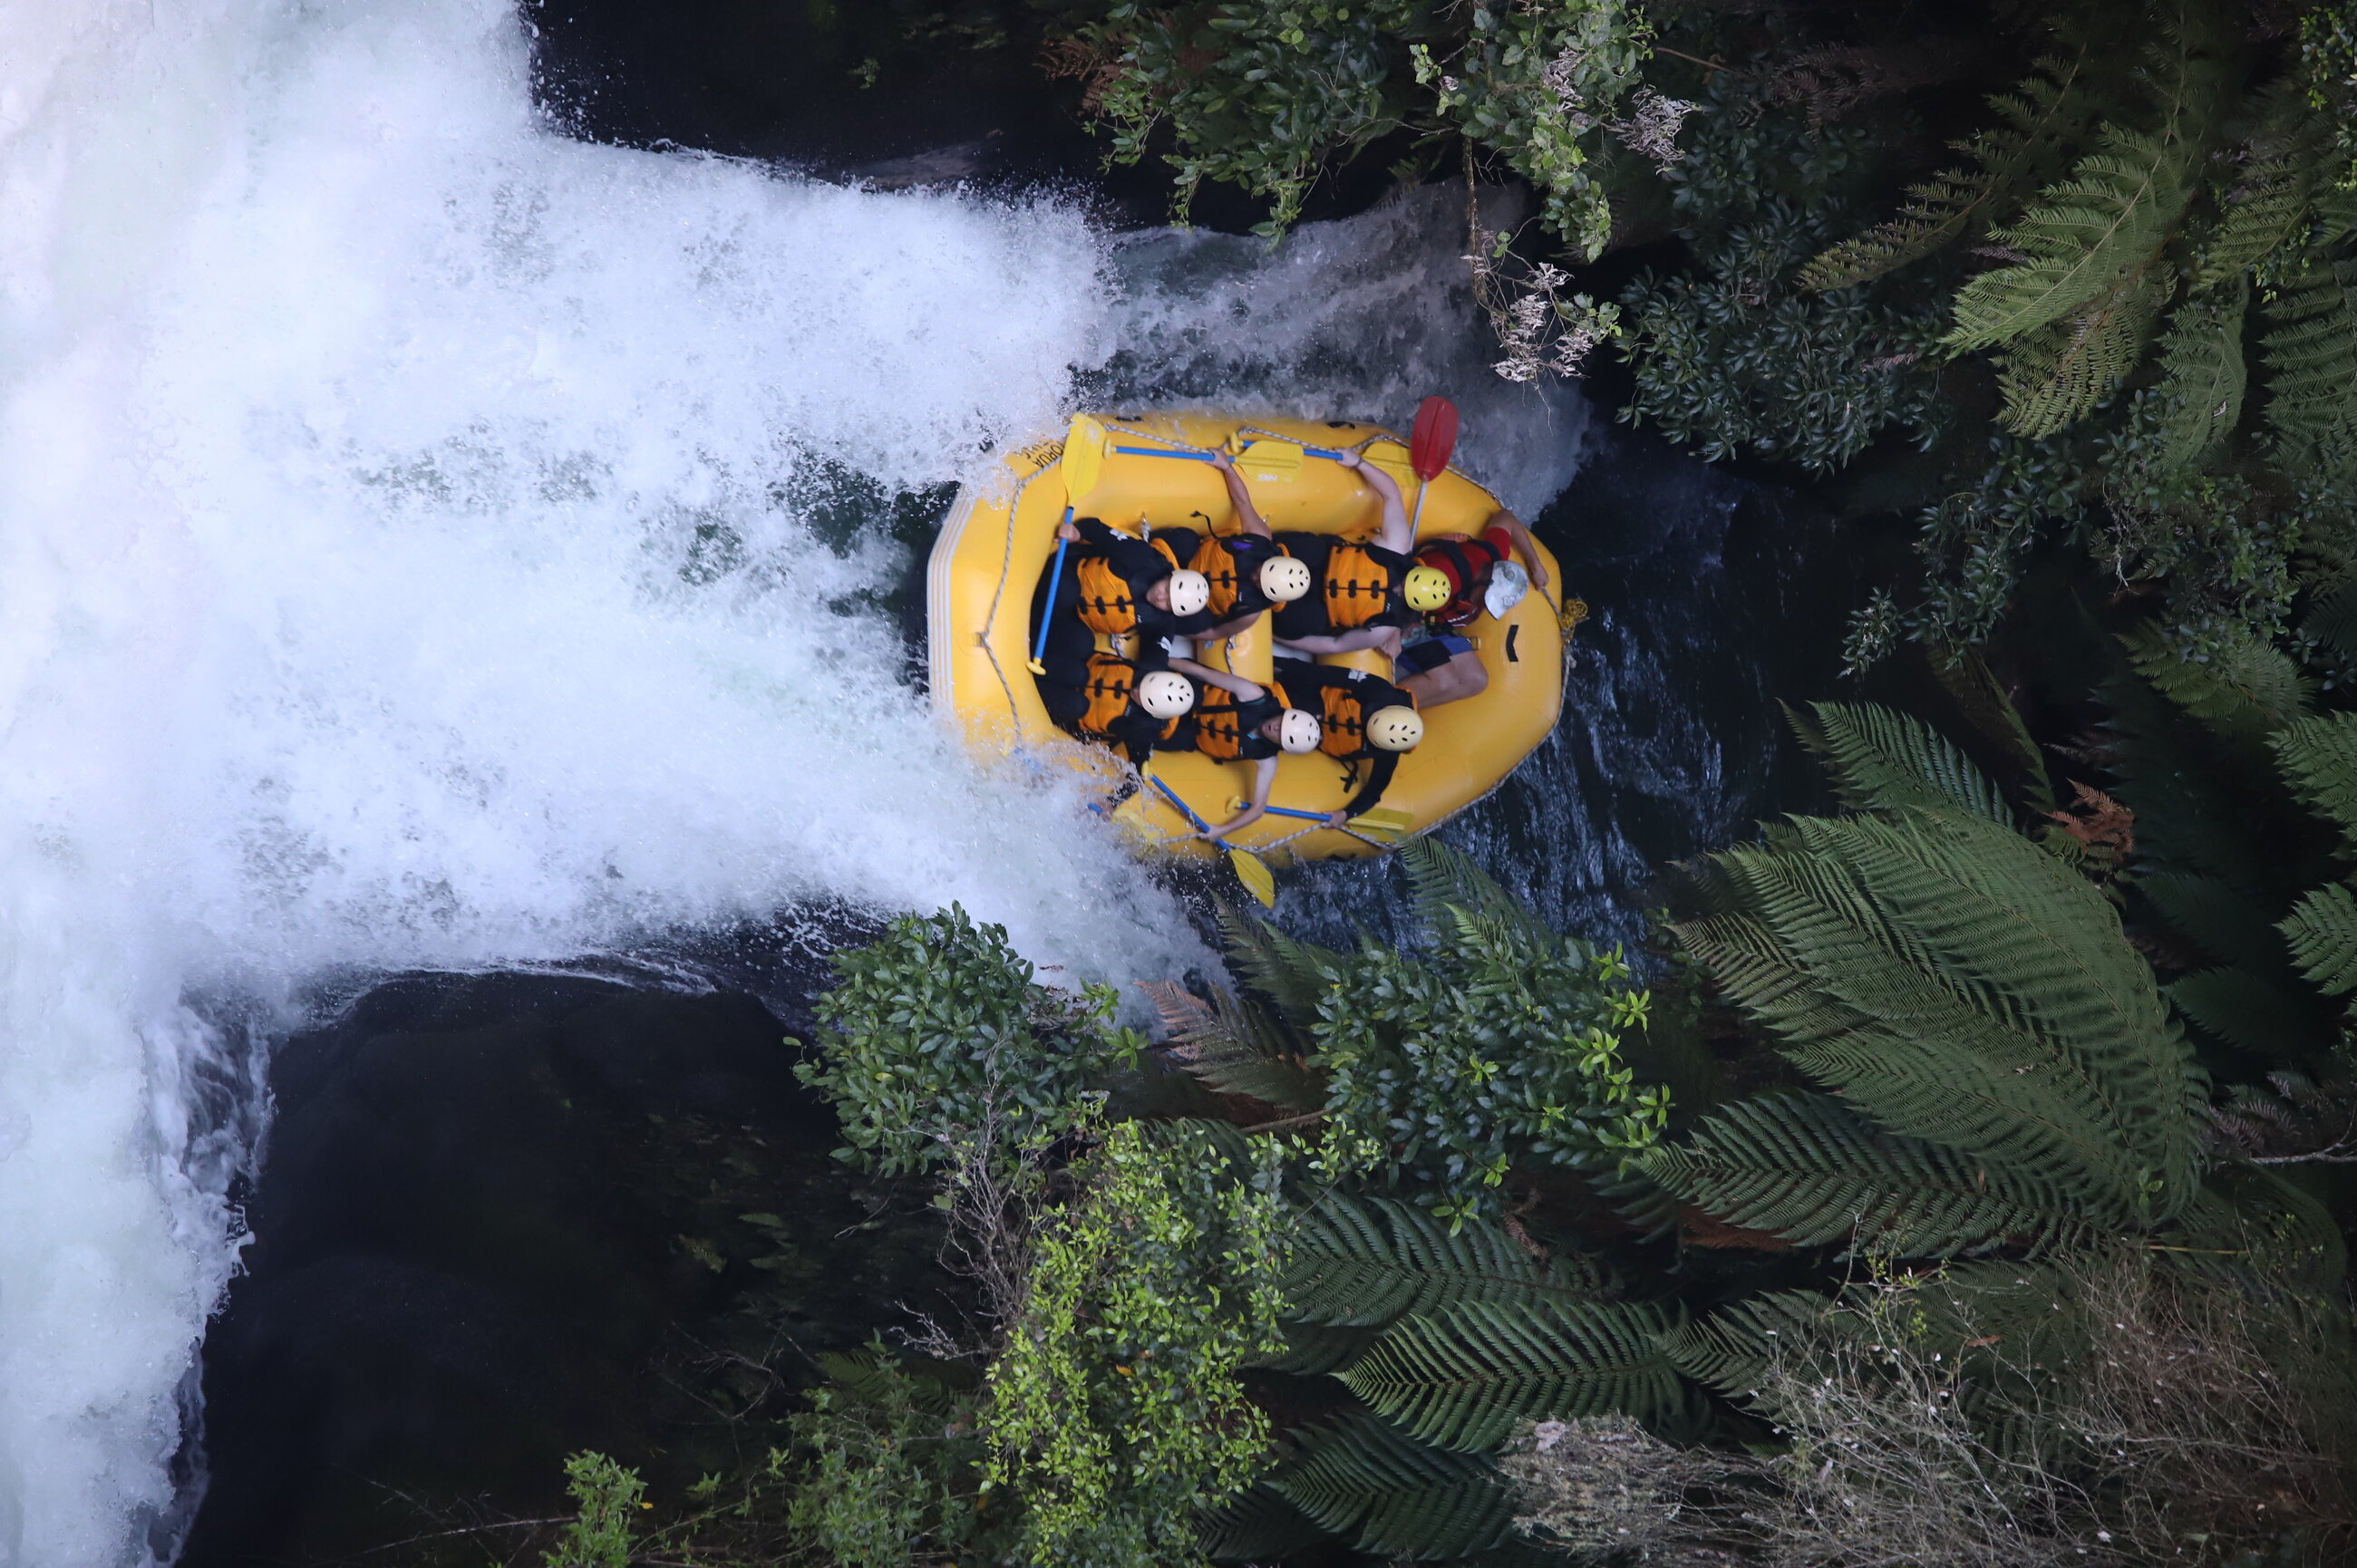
[[1381, 819], [1429, 445], [1255, 877], [1037, 662]]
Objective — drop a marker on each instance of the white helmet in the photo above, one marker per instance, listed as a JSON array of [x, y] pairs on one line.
[[1396, 728], [1297, 732], [1166, 694], [1285, 578], [1189, 591]]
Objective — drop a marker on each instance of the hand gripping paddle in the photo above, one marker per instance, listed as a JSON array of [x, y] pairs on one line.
[[1380, 822], [1083, 459], [1254, 875]]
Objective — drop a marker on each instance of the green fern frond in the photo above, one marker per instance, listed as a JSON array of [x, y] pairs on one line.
[[1729, 1349], [2322, 931], [1958, 984], [2268, 207], [2244, 691], [1366, 1261], [2199, 400], [2054, 374], [1806, 1167], [1464, 1376], [2331, 617], [2045, 113], [2311, 352], [1990, 709], [1369, 1482], [1258, 1526], [2318, 757], [1882, 760], [872, 1377], [1235, 1046], [1449, 888], [2244, 1010], [1291, 975]]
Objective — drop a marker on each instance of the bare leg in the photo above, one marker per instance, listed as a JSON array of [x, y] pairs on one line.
[[1463, 676], [1383, 637]]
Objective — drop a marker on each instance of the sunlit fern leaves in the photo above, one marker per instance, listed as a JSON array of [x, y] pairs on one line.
[[1957, 985], [2053, 375], [1463, 1378], [2318, 757], [1449, 888], [1881, 760], [1235, 1046], [1367, 1481], [2199, 400], [2047, 110], [2311, 348], [1806, 1167], [1366, 1261], [2322, 931], [2244, 690]]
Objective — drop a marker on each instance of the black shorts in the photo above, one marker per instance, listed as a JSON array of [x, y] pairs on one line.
[[1422, 658]]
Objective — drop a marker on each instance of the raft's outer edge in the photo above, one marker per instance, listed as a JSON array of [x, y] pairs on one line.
[[943, 677]]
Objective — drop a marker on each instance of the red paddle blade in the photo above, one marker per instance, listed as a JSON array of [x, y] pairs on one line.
[[1434, 438]]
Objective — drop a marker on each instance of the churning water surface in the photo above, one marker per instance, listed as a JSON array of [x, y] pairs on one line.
[[410, 556]]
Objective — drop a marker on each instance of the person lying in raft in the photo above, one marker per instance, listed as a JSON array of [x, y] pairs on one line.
[[1361, 718], [1134, 706], [1359, 591], [1121, 586], [1237, 720], [1249, 574]]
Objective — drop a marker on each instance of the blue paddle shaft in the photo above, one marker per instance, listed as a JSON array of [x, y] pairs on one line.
[[1289, 811], [1055, 581], [1164, 452], [1185, 810]]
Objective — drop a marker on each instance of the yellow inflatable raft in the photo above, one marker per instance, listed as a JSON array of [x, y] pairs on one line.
[[988, 564]]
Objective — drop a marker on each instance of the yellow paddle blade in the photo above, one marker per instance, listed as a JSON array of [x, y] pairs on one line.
[[1392, 459], [1384, 819], [1084, 456], [1271, 462], [1254, 875]]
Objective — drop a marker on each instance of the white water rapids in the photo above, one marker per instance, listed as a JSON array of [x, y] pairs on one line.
[[400, 565]]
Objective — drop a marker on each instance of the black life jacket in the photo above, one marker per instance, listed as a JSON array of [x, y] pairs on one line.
[[1107, 601], [1227, 730], [1111, 688]]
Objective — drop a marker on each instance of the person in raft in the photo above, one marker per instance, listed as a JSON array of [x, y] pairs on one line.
[[1136, 706], [1238, 720], [1359, 595], [1361, 719], [1468, 578], [1118, 586], [1249, 574]]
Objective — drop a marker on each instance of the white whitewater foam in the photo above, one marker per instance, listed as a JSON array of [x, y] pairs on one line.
[[404, 560]]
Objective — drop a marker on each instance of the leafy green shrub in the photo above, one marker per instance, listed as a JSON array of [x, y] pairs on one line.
[[1115, 1410], [938, 1032], [886, 1468], [608, 1497]]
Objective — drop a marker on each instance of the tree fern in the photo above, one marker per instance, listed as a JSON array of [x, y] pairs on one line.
[[1256, 1526], [2331, 617], [1806, 1167], [2245, 1010], [2244, 690], [2049, 110], [1463, 1378], [1236, 1047], [1990, 709], [1730, 1349], [1957, 985], [1291, 975], [2268, 207], [2311, 352], [2053, 375], [2231, 925], [1369, 1482], [2318, 757], [2199, 400], [1448, 887], [1879, 758], [1361, 1263], [2322, 931]]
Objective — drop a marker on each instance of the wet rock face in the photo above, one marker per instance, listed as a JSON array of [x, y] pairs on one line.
[[505, 1218]]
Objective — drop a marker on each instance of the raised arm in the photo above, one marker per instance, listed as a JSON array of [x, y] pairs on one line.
[[1264, 780], [1396, 534], [1244, 691], [1525, 546], [1246, 513]]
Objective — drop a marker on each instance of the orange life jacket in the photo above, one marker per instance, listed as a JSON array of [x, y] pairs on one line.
[[1105, 603], [1218, 733], [1111, 686], [1342, 717], [1358, 587], [1216, 561]]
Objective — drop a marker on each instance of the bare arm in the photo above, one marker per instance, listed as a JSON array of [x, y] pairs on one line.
[[1525, 546], [1246, 513], [1350, 641], [1395, 534], [1263, 779], [1244, 691]]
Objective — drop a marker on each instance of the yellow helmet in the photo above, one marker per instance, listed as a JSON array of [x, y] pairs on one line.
[[1426, 588], [1166, 694], [1299, 732], [1284, 579], [1396, 728], [1189, 591]]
